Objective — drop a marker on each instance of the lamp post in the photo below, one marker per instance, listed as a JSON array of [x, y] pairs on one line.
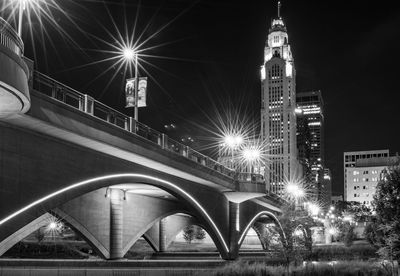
[[131, 55]]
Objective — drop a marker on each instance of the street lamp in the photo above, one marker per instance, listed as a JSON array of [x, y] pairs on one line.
[[52, 225], [130, 55], [313, 208], [294, 191], [251, 155], [233, 142]]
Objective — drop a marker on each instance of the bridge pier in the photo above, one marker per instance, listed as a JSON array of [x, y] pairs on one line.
[[234, 228], [162, 235], [116, 224]]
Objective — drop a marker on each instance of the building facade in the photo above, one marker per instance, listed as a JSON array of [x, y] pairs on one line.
[[364, 176], [325, 189], [310, 109], [349, 161], [278, 102], [335, 199]]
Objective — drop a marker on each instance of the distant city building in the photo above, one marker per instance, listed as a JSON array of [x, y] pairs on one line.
[[336, 198], [303, 137], [350, 159], [325, 189], [278, 102], [310, 109], [363, 177]]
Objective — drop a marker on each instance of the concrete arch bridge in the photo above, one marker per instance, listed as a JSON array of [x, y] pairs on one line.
[[109, 177]]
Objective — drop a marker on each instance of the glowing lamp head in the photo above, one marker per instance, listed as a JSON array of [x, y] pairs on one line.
[[251, 154], [332, 231], [52, 225], [129, 54], [298, 233], [314, 209], [233, 141], [294, 190]]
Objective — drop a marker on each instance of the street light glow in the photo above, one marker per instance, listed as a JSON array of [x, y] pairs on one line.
[[294, 190], [332, 231], [128, 53], [52, 225], [233, 141], [251, 154], [314, 209]]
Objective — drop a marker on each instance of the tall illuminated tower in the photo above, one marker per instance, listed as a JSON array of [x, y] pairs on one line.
[[278, 102]]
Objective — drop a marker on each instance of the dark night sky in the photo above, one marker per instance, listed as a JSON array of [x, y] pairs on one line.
[[347, 49]]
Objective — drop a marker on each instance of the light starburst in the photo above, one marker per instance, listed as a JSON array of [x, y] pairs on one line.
[[37, 22]]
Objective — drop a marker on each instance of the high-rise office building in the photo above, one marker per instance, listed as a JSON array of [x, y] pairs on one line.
[[310, 105], [278, 103], [350, 159]]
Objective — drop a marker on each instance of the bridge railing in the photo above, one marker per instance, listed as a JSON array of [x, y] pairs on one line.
[[87, 104], [250, 177], [10, 39]]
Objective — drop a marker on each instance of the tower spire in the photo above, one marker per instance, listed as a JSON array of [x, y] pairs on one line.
[[279, 9]]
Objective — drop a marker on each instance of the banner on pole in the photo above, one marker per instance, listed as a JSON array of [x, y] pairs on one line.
[[130, 92], [142, 92]]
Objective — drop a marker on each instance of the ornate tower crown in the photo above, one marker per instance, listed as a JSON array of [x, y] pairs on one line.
[[277, 35], [277, 23]]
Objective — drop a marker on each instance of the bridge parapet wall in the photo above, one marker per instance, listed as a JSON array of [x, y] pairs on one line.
[[87, 104]]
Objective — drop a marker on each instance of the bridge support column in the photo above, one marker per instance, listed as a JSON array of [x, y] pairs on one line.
[[234, 228], [116, 224], [163, 235]]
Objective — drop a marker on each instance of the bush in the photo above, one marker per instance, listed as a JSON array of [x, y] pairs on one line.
[[309, 269], [354, 252], [350, 236]]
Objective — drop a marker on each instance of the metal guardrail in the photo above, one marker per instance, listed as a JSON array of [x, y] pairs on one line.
[[87, 104], [10, 39]]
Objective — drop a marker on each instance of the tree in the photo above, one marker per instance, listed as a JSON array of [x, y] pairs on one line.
[[200, 233], [39, 235], [384, 231], [193, 232], [356, 210], [295, 234]]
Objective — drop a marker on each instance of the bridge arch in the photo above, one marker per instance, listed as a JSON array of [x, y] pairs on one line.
[[63, 195], [253, 220], [44, 220], [174, 228]]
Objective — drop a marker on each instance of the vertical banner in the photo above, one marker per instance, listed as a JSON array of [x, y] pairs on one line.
[[130, 93], [142, 92]]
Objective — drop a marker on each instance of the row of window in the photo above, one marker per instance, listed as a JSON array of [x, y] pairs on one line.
[[373, 179], [359, 195], [365, 172], [358, 187], [353, 158]]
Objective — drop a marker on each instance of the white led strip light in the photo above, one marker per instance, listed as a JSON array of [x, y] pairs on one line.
[[79, 184]]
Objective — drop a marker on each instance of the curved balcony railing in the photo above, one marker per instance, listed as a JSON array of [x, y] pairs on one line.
[[87, 104], [10, 39]]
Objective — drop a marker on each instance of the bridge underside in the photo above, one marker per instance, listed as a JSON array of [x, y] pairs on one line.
[[110, 202]]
